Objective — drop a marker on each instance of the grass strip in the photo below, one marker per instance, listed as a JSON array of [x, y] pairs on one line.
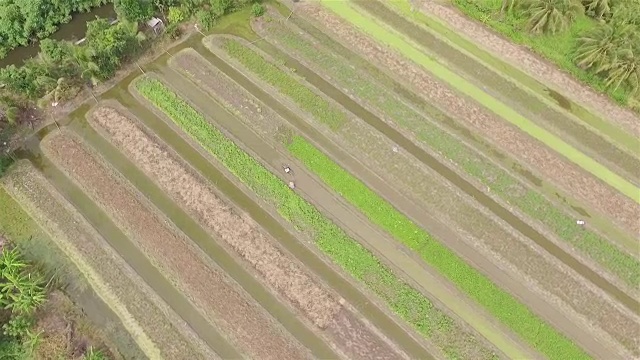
[[402, 299], [286, 84], [498, 302], [391, 38], [619, 135], [559, 48], [530, 201]]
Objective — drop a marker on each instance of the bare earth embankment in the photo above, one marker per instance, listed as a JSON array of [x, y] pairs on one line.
[[243, 234], [156, 328], [211, 291], [570, 177]]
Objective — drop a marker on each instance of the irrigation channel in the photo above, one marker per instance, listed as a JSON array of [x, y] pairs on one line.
[[409, 146], [499, 87], [127, 250], [77, 123]]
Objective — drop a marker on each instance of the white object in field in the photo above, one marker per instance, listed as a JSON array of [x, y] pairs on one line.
[[580, 222], [292, 185], [287, 169], [395, 149]]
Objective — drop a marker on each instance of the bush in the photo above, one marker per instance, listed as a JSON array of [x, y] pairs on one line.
[[176, 15], [257, 10], [206, 19]]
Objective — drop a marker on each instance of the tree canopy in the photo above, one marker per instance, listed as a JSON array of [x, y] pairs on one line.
[[22, 22]]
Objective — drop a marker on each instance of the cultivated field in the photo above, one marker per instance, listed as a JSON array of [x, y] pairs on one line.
[[336, 179]]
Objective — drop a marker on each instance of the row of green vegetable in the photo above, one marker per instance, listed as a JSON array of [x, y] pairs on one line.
[[498, 302], [529, 201], [346, 252]]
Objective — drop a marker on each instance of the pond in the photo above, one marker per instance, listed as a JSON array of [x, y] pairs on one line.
[[73, 30]]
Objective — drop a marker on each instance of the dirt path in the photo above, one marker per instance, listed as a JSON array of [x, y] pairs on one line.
[[210, 289], [533, 64], [174, 338], [621, 209], [377, 150], [282, 273]]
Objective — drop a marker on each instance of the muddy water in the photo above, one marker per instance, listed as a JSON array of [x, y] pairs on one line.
[[452, 177], [73, 30], [293, 245], [137, 260], [499, 87]]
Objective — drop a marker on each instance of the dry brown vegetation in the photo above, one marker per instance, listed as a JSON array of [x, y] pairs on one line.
[[241, 232], [210, 290], [168, 332], [551, 165], [238, 230]]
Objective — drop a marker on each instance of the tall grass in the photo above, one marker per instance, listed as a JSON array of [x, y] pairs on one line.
[[405, 301], [529, 201]]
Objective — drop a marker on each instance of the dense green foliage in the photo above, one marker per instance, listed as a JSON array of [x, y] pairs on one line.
[[529, 201], [572, 40], [498, 302], [408, 303], [22, 21], [286, 84]]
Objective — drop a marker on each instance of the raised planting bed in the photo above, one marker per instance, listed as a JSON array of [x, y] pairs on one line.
[[211, 291], [158, 331], [389, 37], [605, 313], [621, 209], [499, 182], [195, 195], [343, 250]]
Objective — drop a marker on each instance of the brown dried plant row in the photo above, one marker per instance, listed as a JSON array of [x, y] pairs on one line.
[[209, 289], [153, 319], [241, 232], [585, 187]]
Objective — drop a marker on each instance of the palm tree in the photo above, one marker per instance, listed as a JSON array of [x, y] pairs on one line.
[[597, 8], [625, 68], [550, 16], [598, 47]]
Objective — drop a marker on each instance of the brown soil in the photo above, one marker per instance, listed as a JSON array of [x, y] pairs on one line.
[[264, 121], [210, 289], [238, 230], [532, 64], [568, 175], [482, 231], [171, 334]]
